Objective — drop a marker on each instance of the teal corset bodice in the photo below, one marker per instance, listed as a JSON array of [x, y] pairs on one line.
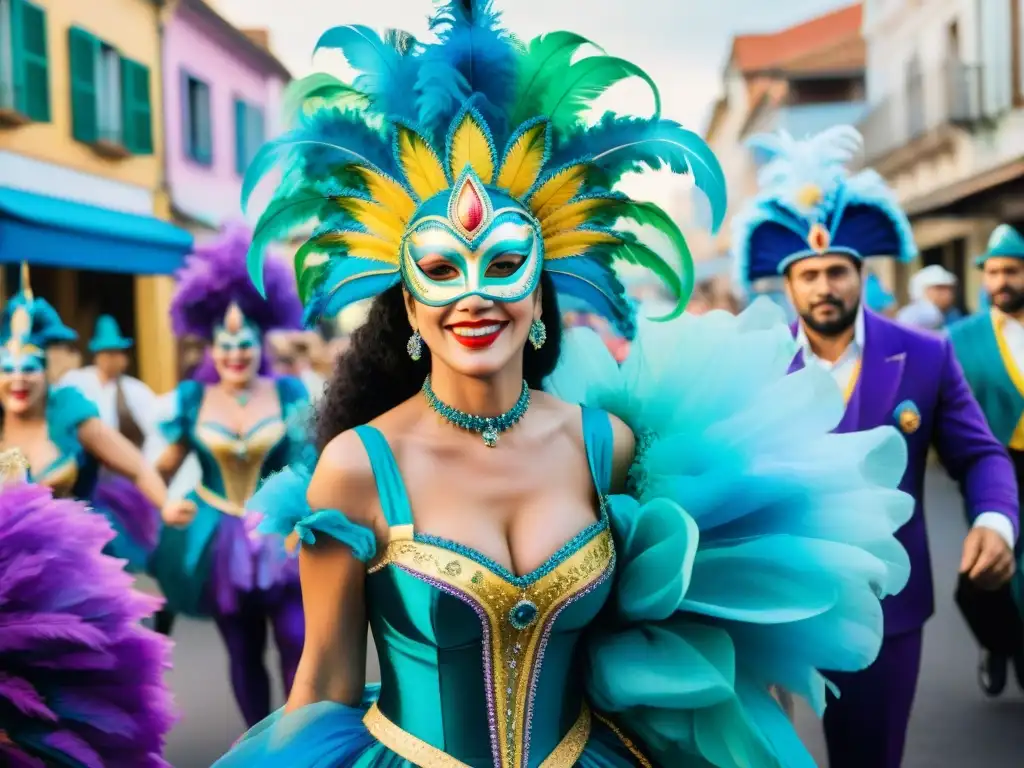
[[476, 663]]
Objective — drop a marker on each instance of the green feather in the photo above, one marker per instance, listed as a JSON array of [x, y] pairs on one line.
[[322, 87], [651, 215], [632, 251], [282, 215], [547, 57], [310, 280], [584, 82]]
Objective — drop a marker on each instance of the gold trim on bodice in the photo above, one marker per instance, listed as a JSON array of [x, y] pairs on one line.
[[218, 502], [515, 617], [240, 460], [422, 754]]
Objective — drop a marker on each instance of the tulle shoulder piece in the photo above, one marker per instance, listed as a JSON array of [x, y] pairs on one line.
[[281, 501], [177, 425], [755, 545], [292, 390], [68, 408]]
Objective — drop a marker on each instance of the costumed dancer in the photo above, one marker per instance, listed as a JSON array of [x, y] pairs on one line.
[[66, 442], [990, 347], [81, 681], [475, 520], [242, 425], [815, 223]]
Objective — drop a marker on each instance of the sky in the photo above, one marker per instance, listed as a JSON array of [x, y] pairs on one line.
[[681, 44]]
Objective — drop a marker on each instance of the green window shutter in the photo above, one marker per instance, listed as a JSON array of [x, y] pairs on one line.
[[83, 51], [136, 108], [256, 131], [204, 127], [241, 123], [30, 62]]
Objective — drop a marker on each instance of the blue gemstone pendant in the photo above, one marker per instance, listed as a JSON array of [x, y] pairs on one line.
[[488, 427], [522, 615]]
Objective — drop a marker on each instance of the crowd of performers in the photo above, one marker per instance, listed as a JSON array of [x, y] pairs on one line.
[[729, 506]]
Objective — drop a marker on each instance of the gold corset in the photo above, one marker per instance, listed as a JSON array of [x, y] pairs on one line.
[[240, 457]]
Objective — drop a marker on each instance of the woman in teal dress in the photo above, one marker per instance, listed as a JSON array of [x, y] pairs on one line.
[[563, 562], [63, 438], [242, 425]]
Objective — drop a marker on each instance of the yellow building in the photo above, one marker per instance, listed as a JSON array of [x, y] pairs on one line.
[[81, 167]]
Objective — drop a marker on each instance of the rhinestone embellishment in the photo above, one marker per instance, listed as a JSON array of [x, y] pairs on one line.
[[522, 615], [488, 427]]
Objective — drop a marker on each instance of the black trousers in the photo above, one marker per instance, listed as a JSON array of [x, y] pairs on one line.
[[994, 617]]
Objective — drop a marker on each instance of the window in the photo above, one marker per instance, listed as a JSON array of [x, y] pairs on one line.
[[249, 133], [24, 64], [197, 129], [111, 102]]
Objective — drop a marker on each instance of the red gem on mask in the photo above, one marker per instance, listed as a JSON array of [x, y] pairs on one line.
[[469, 208], [818, 239]]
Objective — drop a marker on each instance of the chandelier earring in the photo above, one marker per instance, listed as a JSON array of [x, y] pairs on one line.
[[415, 346], [538, 334]]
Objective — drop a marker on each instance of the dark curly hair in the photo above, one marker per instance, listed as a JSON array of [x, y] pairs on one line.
[[375, 373]]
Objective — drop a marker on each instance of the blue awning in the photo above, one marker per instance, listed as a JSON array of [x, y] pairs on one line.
[[59, 233]]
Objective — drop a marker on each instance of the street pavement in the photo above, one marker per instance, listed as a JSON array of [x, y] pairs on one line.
[[954, 726]]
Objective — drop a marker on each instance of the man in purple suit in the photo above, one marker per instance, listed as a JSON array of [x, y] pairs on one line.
[[814, 223]]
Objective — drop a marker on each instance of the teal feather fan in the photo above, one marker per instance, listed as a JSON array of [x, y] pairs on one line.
[[362, 158]]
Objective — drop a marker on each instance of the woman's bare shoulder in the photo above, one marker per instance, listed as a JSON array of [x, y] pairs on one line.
[[623, 441], [343, 480]]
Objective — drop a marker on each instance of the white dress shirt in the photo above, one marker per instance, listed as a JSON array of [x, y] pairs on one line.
[[847, 365]]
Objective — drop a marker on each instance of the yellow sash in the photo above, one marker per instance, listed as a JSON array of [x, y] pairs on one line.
[[998, 321], [851, 385]]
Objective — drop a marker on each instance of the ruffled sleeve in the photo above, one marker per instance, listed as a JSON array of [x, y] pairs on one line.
[[755, 546], [281, 501], [69, 408], [176, 427]]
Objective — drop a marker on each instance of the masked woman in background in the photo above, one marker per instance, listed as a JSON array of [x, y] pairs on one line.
[[63, 438], [242, 425], [81, 681], [563, 562]]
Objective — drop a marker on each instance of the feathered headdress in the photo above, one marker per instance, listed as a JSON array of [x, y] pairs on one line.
[[459, 131], [810, 204], [214, 279], [29, 324]]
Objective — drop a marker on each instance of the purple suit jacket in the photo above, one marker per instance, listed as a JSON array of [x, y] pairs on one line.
[[901, 366]]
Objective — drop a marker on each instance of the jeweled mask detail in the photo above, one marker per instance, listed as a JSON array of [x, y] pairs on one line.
[[471, 240]]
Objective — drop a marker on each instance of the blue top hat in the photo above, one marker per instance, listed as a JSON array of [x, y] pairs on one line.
[[810, 204], [1005, 242], [107, 337]]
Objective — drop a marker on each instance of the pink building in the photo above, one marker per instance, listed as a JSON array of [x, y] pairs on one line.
[[222, 91]]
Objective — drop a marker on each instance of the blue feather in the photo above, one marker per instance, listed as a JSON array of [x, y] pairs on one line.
[[327, 140], [475, 55], [618, 145], [349, 279], [592, 280]]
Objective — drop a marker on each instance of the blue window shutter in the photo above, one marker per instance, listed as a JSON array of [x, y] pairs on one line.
[[204, 129], [257, 131], [136, 108], [186, 113], [83, 51], [30, 62], [241, 150]]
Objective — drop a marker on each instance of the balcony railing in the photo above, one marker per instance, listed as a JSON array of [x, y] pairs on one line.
[[949, 95]]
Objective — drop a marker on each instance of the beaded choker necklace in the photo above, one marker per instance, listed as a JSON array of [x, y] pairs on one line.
[[488, 427]]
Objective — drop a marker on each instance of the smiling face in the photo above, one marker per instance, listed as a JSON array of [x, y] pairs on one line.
[[22, 379], [236, 349]]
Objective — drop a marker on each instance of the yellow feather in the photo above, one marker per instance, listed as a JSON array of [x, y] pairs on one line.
[[363, 245], [573, 215], [378, 220], [523, 161], [471, 147], [558, 190], [566, 244], [389, 193], [422, 168]]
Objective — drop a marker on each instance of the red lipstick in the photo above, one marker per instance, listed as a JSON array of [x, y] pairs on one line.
[[477, 334]]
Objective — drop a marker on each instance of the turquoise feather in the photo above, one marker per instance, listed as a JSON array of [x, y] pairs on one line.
[[546, 59]]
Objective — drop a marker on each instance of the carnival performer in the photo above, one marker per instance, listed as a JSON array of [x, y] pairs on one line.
[[81, 681], [66, 442], [815, 223], [242, 425], [467, 507], [990, 347]]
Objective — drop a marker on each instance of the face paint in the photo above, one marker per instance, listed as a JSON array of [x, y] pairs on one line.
[[28, 360], [472, 248], [243, 340]]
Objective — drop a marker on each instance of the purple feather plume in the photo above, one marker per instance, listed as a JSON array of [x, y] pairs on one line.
[[81, 681], [136, 515], [215, 275]]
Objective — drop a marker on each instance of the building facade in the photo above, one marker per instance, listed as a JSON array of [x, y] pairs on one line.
[[81, 166], [222, 97], [801, 79], [946, 123]]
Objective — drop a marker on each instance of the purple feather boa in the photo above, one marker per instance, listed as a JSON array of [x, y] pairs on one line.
[[215, 275], [81, 681], [137, 516]]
